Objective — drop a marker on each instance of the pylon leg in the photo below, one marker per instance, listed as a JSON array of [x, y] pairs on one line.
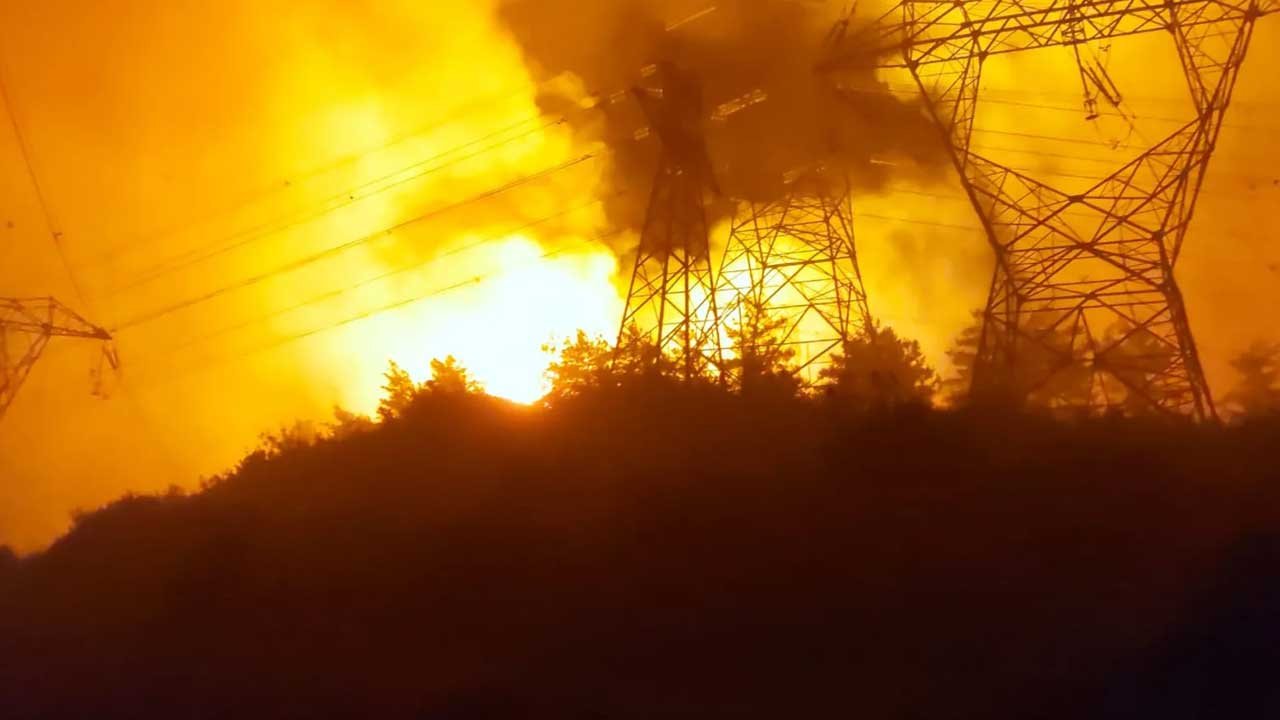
[[672, 299], [796, 258], [1084, 308]]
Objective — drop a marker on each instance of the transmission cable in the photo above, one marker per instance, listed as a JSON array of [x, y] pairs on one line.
[[332, 204], [339, 292], [253, 196], [24, 150], [338, 249], [364, 191], [389, 307]]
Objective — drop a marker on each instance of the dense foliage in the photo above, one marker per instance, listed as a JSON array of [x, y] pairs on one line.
[[643, 547]]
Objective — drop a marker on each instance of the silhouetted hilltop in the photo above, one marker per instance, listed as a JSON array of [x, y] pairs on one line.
[[659, 550]]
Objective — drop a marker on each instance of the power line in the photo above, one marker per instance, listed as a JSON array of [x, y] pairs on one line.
[[476, 280], [1081, 158], [389, 307], [338, 249], [347, 198], [334, 203], [333, 294], [306, 261], [55, 232], [256, 195], [469, 282], [324, 254], [1252, 179], [909, 221], [339, 292], [1139, 99], [591, 103], [900, 90], [253, 280], [332, 251], [353, 195], [915, 92]]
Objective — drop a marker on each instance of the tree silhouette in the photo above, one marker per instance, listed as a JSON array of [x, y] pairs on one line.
[[1043, 374], [1134, 361], [964, 357], [578, 366], [589, 364], [882, 370], [468, 536], [347, 424], [1257, 392], [300, 434], [637, 356], [764, 362], [448, 377], [1048, 370], [398, 393]]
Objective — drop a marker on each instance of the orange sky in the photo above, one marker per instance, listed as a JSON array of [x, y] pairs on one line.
[[185, 147]]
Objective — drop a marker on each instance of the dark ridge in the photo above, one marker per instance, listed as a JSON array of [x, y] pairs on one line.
[[659, 551]]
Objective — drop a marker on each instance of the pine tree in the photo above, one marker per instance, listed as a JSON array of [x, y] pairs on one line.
[[448, 377], [1257, 392], [764, 362], [881, 370], [398, 393]]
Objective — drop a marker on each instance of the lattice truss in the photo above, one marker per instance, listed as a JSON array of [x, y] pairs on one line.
[[1084, 309], [27, 325], [795, 259], [671, 303]]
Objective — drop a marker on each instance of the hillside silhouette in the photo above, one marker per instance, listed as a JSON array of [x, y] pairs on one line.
[[642, 547]]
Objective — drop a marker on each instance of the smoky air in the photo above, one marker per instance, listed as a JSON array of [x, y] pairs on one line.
[[767, 114]]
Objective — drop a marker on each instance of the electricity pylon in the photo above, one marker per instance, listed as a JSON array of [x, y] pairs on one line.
[[672, 300], [1084, 282], [795, 259], [27, 325]]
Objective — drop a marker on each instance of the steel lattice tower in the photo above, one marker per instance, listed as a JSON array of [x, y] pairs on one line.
[[1084, 282], [27, 325], [795, 258], [672, 298]]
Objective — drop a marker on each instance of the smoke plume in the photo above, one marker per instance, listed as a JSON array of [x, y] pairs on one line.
[[769, 114]]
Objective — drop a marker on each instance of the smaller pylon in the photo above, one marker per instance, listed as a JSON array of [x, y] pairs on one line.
[[672, 299], [26, 327], [796, 259]]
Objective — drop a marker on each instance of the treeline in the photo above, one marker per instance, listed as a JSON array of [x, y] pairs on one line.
[[644, 545], [1128, 372]]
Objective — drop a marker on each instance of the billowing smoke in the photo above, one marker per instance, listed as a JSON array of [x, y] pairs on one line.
[[769, 113]]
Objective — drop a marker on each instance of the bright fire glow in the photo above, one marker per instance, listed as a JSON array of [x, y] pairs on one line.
[[497, 328]]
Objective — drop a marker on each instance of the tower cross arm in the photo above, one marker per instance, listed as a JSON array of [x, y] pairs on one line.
[[922, 32], [46, 316]]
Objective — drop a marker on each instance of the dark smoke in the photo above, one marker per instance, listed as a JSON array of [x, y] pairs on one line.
[[738, 49]]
